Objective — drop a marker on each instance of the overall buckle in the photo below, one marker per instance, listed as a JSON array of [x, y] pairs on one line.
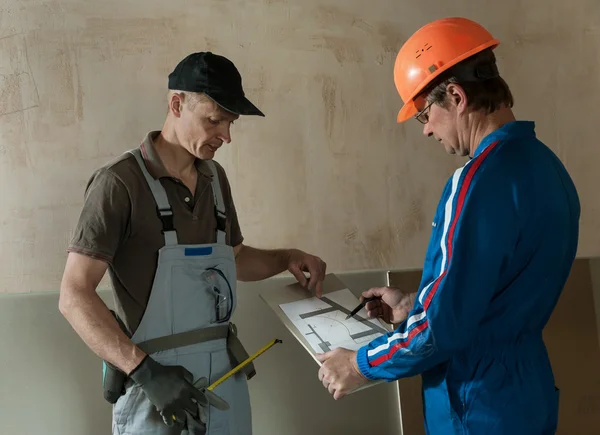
[[166, 217], [233, 329], [221, 220]]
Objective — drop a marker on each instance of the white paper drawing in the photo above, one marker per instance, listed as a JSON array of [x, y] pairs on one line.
[[322, 321]]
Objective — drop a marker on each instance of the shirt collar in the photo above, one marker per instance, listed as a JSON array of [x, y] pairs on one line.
[[510, 130], [154, 163]]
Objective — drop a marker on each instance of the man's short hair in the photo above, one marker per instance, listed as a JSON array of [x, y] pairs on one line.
[[486, 95], [191, 99]]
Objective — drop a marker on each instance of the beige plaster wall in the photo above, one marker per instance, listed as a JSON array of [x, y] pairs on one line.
[[328, 170]]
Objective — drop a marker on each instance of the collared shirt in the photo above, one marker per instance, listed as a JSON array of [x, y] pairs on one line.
[[119, 223]]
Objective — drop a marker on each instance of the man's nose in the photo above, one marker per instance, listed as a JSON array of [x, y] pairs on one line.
[[427, 130], [225, 135]]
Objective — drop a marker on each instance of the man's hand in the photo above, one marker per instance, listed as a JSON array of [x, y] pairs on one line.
[[170, 390], [392, 305], [300, 262], [257, 264], [340, 373], [210, 399]]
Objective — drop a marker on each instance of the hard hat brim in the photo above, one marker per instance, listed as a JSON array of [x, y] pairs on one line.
[[408, 111]]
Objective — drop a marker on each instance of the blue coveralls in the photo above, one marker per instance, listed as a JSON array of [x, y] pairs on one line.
[[503, 242]]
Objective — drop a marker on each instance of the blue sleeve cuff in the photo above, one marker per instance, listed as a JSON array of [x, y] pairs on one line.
[[363, 363]]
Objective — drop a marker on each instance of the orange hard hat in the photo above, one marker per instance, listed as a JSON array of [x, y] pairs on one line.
[[430, 51]]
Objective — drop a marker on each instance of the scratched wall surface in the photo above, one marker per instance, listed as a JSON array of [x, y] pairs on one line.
[[328, 170]]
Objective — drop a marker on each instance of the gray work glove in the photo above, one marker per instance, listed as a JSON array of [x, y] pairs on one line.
[[196, 425], [210, 399], [170, 390]]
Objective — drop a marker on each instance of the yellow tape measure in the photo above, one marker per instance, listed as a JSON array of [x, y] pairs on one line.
[[243, 364]]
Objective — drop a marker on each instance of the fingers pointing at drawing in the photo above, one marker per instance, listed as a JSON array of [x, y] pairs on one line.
[[300, 262], [340, 373], [298, 274]]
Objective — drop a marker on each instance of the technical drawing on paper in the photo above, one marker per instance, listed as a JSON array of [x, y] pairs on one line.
[[322, 321]]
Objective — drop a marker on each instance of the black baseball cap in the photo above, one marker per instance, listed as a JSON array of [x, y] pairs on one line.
[[215, 76]]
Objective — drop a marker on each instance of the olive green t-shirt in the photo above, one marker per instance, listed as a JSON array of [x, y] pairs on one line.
[[119, 223]]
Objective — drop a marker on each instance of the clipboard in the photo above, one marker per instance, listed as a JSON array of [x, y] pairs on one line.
[[274, 297]]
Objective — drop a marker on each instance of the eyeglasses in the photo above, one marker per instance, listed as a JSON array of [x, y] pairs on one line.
[[223, 300], [423, 115], [222, 306]]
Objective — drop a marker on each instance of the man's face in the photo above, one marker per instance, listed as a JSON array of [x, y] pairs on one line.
[[203, 127], [445, 124]]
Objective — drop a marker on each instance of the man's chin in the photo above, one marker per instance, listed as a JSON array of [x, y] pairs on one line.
[[205, 154]]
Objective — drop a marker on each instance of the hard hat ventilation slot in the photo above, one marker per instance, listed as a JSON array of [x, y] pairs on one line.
[[423, 50]]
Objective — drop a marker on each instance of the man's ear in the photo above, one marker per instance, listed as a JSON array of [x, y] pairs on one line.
[[176, 104], [457, 96]]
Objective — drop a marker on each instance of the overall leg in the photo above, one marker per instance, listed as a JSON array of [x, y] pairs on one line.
[[133, 414]]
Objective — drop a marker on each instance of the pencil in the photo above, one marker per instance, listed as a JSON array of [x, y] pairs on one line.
[[360, 307]]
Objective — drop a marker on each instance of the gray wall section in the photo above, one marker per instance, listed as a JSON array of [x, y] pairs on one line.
[[51, 383], [595, 274]]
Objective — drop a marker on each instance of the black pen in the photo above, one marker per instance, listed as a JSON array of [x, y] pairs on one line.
[[360, 307]]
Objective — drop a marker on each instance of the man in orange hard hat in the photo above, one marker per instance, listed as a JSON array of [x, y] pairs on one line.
[[503, 241]]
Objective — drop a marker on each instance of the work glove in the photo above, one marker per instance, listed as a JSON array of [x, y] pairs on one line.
[[196, 425], [210, 399], [170, 390]]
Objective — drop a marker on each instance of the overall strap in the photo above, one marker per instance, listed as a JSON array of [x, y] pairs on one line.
[[235, 348], [165, 212], [220, 211]]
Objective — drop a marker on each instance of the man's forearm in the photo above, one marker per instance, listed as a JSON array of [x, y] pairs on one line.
[[94, 323], [257, 264]]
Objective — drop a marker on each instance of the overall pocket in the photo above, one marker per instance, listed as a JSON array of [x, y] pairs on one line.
[[192, 299], [201, 294], [237, 419], [124, 409]]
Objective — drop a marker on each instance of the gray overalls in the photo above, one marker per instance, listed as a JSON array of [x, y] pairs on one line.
[[186, 323]]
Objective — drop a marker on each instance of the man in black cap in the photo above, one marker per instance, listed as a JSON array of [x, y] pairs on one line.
[[162, 220]]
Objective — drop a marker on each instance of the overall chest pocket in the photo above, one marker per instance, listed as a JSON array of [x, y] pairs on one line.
[[201, 296]]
